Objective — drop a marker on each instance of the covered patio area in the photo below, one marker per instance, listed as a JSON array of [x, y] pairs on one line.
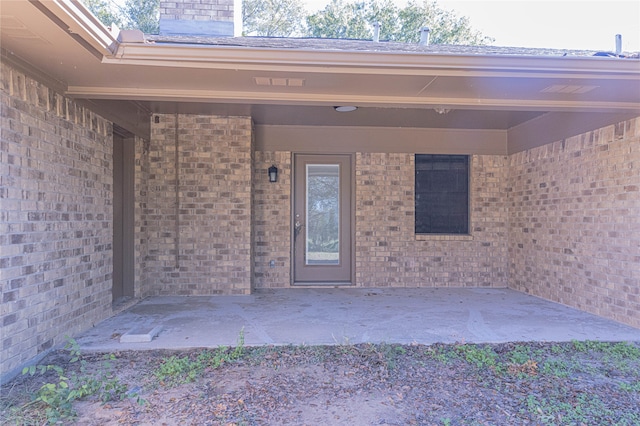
[[330, 316]]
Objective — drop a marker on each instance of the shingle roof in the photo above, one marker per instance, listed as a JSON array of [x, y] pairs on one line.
[[368, 46]]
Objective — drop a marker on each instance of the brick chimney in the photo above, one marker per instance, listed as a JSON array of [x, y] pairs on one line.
[[212, 18]]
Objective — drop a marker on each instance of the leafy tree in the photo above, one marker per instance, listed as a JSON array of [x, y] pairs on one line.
[[135, 14], [340, 19], [273, 18], [343, 20], [143, 15], [104, 12]]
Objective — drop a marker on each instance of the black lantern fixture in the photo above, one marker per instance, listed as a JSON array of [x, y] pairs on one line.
[[273, 174]]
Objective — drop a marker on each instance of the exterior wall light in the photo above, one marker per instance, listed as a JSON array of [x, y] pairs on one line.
[[273, 174]]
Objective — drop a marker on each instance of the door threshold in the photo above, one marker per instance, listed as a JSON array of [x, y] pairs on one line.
[[323, 284]]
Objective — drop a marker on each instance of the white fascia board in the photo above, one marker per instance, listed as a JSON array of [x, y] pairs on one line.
[[80, 21], [398, 63]]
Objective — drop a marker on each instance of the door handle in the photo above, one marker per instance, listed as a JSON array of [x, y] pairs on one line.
[[297, 226]]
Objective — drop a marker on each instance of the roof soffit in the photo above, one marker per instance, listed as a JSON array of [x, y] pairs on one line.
[[72, 16]]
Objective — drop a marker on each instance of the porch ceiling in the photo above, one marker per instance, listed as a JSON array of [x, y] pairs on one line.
[[285, 86]]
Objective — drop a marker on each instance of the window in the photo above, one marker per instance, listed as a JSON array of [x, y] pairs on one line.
[[442, 194]]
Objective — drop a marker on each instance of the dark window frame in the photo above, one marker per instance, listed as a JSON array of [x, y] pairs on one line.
[[442, 194]]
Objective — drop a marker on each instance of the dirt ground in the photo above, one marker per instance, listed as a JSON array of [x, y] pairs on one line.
[[577, 383]]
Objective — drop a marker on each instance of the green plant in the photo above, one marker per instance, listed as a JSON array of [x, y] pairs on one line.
[[480, 356], [556, 367], [176, 370], [589, 345], [622, 355], [56, 397], [519, 355], [569, 409], [443, 354], [389, 353], [635, 387], [623, 351], [559, 349]]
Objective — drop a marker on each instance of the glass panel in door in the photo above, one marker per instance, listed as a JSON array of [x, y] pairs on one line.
[[323, 214]]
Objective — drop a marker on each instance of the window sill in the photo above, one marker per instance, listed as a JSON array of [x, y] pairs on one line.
[[442, 237]]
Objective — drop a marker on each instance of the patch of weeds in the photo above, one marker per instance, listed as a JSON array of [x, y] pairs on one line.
[[53, 401], [482, 357], [522, 361], [345, 347], [256, 355], [624, 356], [556, 367], [441, 353], [621, 355], [587, 345], [620, 350], [630, 387], [624, 350], [559, 349], [576, 410], [390, 354], [177, 370], [519, 355]]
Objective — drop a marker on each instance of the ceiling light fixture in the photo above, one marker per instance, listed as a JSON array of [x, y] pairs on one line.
[[345, 108]]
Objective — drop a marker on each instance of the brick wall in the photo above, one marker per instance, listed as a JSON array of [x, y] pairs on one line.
[[574, 235], [142, 169], [56, 218], [198, 221], [388, 253], [272, 219]]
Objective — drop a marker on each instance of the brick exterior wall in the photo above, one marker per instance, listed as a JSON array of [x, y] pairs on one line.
[[272, 220], [198, 221], [142, 169], [388, 253], [574, 235], [56, 218]]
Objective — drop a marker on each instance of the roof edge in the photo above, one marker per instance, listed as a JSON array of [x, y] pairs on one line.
[[304, 60], [74, 17]]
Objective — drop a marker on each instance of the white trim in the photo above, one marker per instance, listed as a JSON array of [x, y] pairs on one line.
[[79, 20], [400, 63]]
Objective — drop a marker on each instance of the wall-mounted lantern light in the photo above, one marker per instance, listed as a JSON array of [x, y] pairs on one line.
[[273, 174]]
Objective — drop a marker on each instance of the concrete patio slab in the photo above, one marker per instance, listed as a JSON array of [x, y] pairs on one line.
[[343, 316]]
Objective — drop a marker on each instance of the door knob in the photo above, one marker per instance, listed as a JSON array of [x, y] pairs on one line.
[[297, 226]]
